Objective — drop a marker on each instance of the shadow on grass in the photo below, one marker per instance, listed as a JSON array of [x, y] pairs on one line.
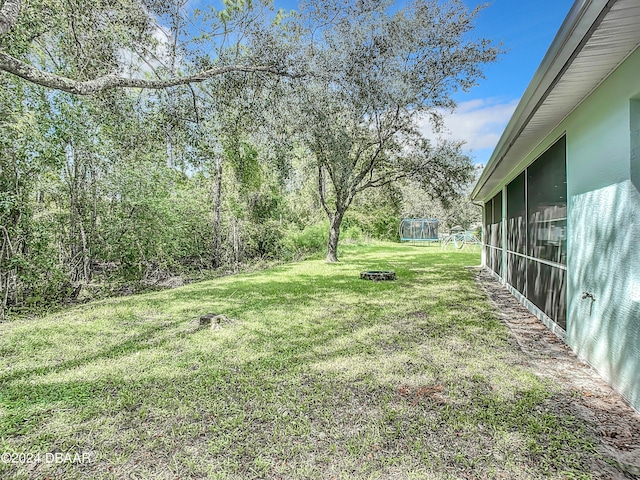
[[390, 379], [349, 425], [302, 421], [273, 292], [135, 343], [295, 352], [304, 286]]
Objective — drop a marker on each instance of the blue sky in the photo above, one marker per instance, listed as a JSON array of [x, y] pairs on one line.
[[526, 29]]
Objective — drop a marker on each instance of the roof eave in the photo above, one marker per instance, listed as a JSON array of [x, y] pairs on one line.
[[576, 28]]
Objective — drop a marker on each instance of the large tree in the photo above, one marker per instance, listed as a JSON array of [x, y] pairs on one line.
[[375, 71], [88, 47]]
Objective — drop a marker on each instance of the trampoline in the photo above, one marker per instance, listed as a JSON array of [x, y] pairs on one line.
[[419, 230]]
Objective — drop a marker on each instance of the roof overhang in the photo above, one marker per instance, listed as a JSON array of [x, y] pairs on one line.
[[595, 38]]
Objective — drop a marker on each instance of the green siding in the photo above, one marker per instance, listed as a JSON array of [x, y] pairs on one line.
[[604, 232], [603, 244]]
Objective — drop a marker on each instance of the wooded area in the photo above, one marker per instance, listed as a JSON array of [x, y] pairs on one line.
[[252, 134]]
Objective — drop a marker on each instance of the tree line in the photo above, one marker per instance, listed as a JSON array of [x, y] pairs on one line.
[[143, 139]]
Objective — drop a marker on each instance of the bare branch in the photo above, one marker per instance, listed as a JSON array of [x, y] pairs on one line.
[[195, 103], [382, 181], [46, 79], [9, 14], [369, 166]]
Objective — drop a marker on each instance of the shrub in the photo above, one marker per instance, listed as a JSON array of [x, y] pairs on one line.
[[352, 234], [311, 239]]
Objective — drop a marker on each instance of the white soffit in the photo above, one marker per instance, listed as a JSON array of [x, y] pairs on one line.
[[594, 39]]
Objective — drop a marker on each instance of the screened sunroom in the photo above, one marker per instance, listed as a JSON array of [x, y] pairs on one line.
[[561, 192]]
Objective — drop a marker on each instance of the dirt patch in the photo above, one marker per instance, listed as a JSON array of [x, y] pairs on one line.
[[614, 424]]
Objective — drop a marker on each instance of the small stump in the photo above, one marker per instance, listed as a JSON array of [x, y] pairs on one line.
[[213, 320], [378, 276]]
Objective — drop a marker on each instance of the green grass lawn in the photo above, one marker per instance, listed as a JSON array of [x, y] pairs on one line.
[[319, 375]]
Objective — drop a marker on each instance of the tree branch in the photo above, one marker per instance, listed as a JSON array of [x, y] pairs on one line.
[[321, 189], [9, 14], [379, 182], [46, 79], [368, 167]]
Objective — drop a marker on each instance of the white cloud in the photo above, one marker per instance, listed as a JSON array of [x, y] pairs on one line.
[[144, 61], [479, 123]]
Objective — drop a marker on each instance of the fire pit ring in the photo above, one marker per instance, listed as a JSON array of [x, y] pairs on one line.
[[378, 275]]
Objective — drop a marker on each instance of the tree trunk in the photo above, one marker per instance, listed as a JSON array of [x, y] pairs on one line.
[[217, 206], [9, 14], [334, 236], [86, 257], [8, 276], [79, 251], [236, 245]]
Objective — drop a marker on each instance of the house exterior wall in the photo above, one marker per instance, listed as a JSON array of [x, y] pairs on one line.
[[603, 231]]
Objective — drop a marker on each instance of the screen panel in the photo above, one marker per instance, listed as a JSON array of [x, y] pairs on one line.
[[494, 260], [635, 143], [496, 221], [516, 272], [517, 215], [547, 289], [547, 205], [486, 225]]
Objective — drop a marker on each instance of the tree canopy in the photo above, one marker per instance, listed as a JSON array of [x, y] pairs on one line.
[[374, 71], [306, 128]]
